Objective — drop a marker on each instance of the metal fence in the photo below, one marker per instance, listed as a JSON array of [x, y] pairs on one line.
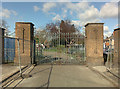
[[9, 49], [110, 55], [111, 66], [17, 48]]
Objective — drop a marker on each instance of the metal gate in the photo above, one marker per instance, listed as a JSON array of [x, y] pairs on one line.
[[60, 48]]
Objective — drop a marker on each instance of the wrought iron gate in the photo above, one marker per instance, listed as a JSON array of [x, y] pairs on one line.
[[60, 48]]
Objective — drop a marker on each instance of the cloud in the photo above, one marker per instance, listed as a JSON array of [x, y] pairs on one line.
[[84, 22], [14, 12], [77, 6], [57, 17], [117, 26], [48, 6], [52, 13], [71, 12], [64, 16], [89, 14], [76, 22], [106, 29], [107, 32], [109, 10], [6, 13], [64, 13], [36, 8], [84, 12]]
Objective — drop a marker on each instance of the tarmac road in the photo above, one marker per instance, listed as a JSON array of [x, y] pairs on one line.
[[64, 76]]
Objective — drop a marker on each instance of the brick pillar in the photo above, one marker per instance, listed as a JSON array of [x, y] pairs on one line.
[[24, 31], [94, 44], [116, 46], [1, 45]]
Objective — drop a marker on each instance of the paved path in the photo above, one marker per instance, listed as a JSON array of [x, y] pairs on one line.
[[65, 76], [8, 70]]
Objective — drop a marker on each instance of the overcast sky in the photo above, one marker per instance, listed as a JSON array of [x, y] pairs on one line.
[[41, 13]]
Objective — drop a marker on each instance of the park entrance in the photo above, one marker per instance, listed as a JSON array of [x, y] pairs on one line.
[[60, 48]]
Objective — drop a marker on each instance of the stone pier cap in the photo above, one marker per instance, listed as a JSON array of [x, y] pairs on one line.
[[24, 23], [94, 24], [116, 29]]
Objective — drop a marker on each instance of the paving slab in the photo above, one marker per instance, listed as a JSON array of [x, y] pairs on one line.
[[110, 74], [8, 70]]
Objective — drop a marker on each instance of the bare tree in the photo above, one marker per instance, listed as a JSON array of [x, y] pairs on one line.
[[65, 27], [3, 24], [41, 36]]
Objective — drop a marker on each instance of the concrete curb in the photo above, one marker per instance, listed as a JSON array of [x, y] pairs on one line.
[[106, 77], [3, 80]]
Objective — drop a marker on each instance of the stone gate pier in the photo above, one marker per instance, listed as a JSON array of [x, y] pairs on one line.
[[25, 32], [94, 44], [116, 59]]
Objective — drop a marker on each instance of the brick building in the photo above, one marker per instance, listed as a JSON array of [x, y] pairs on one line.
[[25, 32], [94, 43]]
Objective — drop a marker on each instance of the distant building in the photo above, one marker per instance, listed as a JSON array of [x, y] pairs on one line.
[[109, 42]]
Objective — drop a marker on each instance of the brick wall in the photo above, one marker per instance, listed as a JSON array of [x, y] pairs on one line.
[[116, 46], [94, 43], [0, 54]]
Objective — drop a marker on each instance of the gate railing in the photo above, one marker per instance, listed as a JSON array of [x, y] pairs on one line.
[[66, 46]]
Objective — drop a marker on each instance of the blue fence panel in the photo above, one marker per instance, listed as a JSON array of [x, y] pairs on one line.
[[9, 49]]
